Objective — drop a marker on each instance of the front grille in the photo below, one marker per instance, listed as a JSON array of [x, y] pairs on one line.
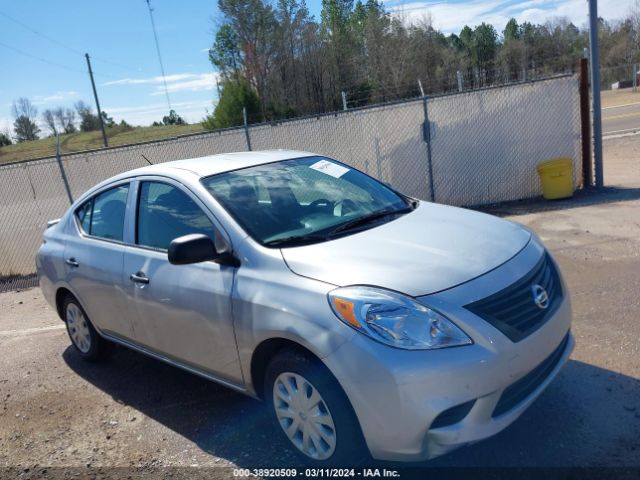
[[513, 310], [519, 391]]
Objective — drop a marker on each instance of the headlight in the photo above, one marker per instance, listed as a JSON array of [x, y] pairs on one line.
[[394, 319]]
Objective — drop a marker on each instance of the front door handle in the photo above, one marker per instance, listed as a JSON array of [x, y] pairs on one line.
[[72, 262], [139, 277]]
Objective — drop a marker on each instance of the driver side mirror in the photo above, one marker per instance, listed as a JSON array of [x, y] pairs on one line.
[[196, 248]]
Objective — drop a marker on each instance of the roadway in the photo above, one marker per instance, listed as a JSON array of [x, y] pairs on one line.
[[621, 115]]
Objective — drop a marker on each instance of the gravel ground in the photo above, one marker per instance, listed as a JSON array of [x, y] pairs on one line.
[[57, 411]]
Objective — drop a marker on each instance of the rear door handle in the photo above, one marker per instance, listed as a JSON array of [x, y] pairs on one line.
[[139, 277], [72, 262]]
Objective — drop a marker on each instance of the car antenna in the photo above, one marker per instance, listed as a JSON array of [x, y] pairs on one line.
[[148, 161]]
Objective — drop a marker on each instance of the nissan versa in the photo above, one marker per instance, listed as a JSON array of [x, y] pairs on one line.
[[362, 317]]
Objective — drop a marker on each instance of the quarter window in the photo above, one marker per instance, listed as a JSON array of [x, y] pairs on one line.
[[103, 215], [84, 216], [166, 213]]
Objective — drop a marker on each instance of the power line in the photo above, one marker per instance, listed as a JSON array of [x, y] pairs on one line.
[[35, 32], [49, 62], [55, 64], [155, 36], [61, 44]]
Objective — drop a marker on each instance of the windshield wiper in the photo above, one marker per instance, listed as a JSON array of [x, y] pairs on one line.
[[371, 217], [296, 240]]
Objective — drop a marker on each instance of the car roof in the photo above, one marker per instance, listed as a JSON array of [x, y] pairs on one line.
[[202, 166], [214, 164]]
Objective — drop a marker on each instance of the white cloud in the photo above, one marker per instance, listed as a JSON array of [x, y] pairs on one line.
[[152, 80], [180, 82], [56, 97], [206, 81], [450, 17], [191, 111]]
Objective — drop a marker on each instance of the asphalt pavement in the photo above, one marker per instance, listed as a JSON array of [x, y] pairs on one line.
[[621, 119]]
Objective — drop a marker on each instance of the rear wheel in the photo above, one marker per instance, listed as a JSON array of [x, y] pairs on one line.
[[312, 412], [84, 337]]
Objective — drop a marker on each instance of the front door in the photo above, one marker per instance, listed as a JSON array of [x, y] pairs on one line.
[[182, 311]]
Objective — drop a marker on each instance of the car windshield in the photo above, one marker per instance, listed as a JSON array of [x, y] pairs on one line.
[[305, 200]]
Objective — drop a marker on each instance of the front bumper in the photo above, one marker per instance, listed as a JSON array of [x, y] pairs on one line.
[[397, 394]]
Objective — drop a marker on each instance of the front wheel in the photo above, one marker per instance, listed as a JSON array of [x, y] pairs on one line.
[[84, 337], [312, 411]]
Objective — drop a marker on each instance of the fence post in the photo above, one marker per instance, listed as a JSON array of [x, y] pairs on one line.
[[595, 93], [62, 172], [635, 77], [246, 128], [460, 81], [585, 122], [426, 136], [344, 100]]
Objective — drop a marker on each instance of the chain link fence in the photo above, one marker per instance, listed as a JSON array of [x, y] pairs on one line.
[[468, 149], [486, 144], [619, 77]]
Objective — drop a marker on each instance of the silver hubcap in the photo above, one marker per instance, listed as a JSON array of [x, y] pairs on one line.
[[304, 416], [78, 328]]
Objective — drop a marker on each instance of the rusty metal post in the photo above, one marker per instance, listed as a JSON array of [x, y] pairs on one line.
[[585, 122]]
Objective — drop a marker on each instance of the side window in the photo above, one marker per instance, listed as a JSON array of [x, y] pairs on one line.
[[166, 213], [84, 216], [107, 219], [103, 215]]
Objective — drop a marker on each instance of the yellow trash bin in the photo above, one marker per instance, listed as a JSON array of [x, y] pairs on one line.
[[556, 177]]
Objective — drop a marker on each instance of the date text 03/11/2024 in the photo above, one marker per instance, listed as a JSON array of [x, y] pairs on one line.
[[316, 472]]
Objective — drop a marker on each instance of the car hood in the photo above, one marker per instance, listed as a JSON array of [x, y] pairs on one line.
[[433, 248]]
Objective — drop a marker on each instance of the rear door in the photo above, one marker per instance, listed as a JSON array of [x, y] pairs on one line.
[[183, 311], [94, 259]]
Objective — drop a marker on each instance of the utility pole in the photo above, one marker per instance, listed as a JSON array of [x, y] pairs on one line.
[[595, 91], [95, 95], [155, 37]]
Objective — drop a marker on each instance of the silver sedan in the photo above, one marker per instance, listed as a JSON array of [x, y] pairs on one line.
[[365, 319]]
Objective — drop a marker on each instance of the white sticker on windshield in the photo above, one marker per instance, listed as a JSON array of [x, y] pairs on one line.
[[330, 168]]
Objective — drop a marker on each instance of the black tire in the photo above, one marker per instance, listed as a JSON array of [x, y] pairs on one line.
[[99, 348], [350, 448]]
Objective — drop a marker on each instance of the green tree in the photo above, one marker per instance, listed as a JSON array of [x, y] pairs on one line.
[[88, 120], [236, 95], [24, 125], [298, 65], [107, 120], [254, 26], [511, 31], [5, 139], [225, 53], [486, 46], [173, 119]]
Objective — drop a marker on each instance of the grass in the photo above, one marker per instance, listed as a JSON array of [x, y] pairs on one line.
[[76, 142]]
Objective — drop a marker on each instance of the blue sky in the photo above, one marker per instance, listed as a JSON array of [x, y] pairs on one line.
[[49, 68]]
